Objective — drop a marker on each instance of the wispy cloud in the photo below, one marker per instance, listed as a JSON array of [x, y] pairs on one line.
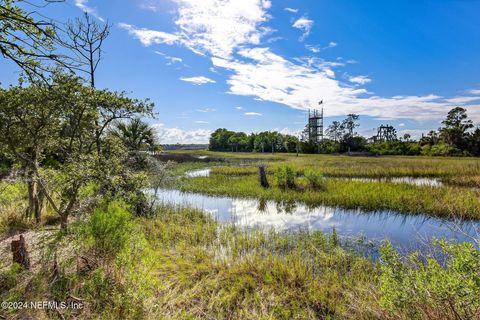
[[270, 77], [206, 110], [239, 108], [331, 44], [149, 5], [177, 135], [148, 37], [198, 80], [474, 91], [359, 79], [201, 122], [292, 10], [214, 27], [317, 48], [170, 60], [312, 48], [253, 114], [463, 100], [83, 5], [305, 25]]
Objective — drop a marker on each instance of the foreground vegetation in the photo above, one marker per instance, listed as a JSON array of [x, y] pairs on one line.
[[180, 264]]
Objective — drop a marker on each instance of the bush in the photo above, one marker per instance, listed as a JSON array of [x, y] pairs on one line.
[[440, 149], [108, 229], [285, 177], [9, 278], [424, 288], [315, 179]]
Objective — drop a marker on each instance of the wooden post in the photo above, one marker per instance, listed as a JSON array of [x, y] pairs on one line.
[[262, 175], [20, 253]]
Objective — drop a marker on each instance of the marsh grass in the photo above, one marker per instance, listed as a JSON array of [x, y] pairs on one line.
[[314, 183], [368, 167], [371, 196]]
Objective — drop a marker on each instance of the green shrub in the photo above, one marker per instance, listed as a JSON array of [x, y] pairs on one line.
[[285, 177], [440, 149], [9, 278], [425, 288], [315, 179], [108, 229]]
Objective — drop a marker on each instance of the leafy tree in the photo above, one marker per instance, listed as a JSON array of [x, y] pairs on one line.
[[62, 118], [348, 126], [238, 139], [219, 140], [262, 142], [335, 131], [290, 143], [135, 135], [431, 138], [474, 142], [407, 137], [456, 125], [27, 38]]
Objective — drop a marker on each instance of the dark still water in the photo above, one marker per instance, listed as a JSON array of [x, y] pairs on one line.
[[404, 231]]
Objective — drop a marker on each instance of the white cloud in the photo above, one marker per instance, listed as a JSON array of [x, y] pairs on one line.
[[305, 25], [314, 49], [239, 108], [177, 135], [174, 59], [270, 77], [83, 5], [201, 122], [198, 80], [359, 79], [171, 60], [217, 27], [463, 100], [401, 125], [331, 44], [253, 114], [474, 91], [292, 10], [317, 48], [148, 37], [150, 6], [206, 110]]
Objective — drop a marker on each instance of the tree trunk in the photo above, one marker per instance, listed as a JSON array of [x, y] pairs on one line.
[[64, 221], [35, 197], [20, 253], [262, 175]]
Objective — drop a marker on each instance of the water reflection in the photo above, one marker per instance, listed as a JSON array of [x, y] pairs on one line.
[[420, 182], [406, 231], [198, 173]]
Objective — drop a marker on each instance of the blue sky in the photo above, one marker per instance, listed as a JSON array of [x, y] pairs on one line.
[[257, 65]]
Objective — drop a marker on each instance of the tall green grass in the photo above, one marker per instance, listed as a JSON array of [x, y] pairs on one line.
[[373, 167], [439, 201]]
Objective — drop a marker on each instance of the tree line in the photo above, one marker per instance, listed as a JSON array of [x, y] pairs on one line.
[[458, 136]]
